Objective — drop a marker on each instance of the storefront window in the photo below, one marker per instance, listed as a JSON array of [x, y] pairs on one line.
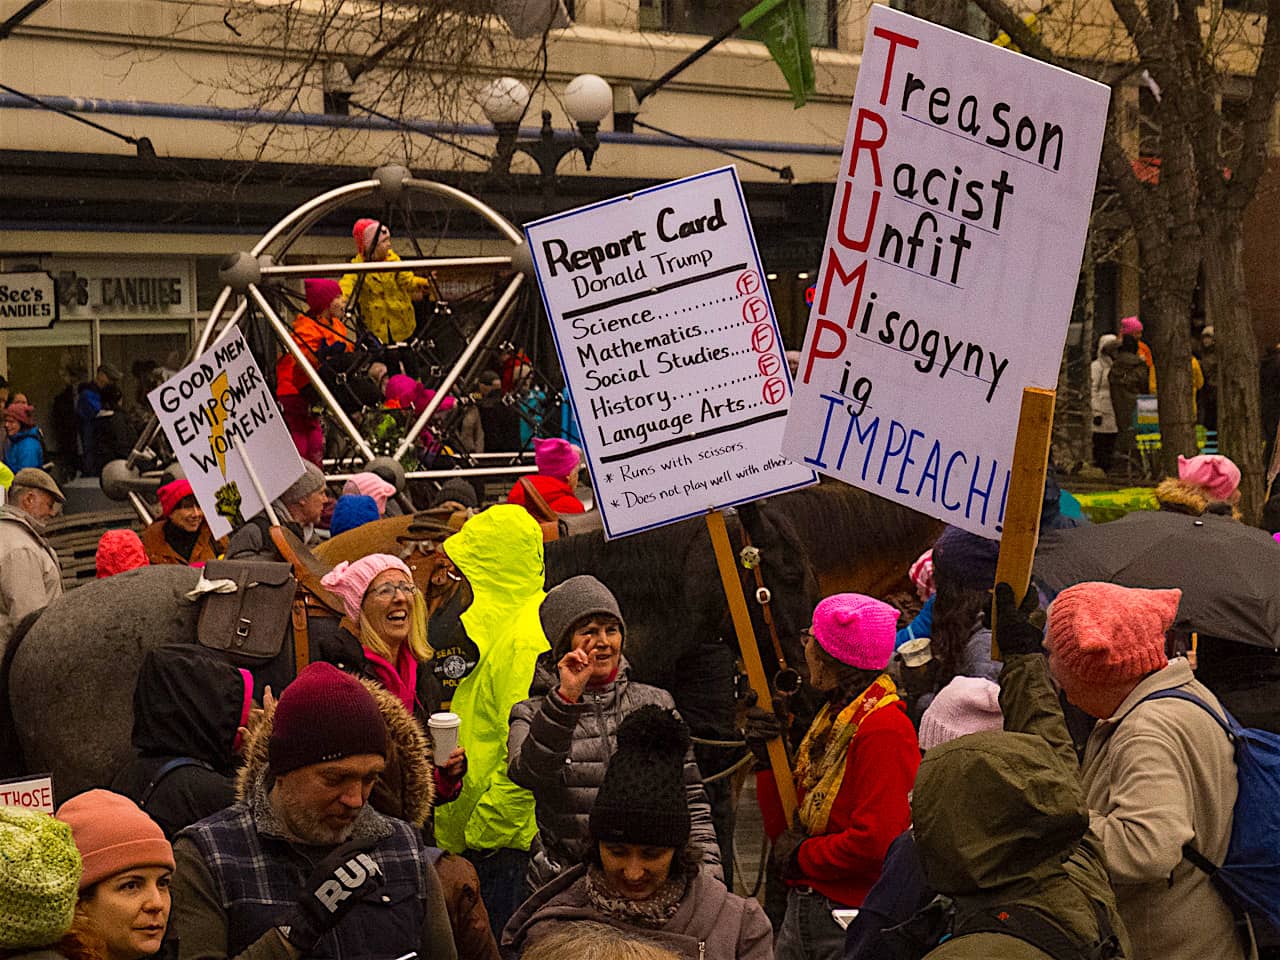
[[709, 17], [42, 364], [138, 349], [135, 313]]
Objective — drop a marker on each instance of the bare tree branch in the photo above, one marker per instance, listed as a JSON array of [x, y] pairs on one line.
[[1257, 116]]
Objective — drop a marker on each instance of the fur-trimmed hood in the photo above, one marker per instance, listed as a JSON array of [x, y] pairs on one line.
[[406, 789], [1178, 496]]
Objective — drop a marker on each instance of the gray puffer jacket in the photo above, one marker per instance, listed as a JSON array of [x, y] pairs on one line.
[[561, 750]]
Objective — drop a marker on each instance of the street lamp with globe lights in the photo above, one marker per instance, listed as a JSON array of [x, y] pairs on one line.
[[587, 99]]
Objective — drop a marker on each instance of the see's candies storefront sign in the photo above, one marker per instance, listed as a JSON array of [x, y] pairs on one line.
[[28, 301]]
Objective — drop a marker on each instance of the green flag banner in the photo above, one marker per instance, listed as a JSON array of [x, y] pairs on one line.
[[781, 26]]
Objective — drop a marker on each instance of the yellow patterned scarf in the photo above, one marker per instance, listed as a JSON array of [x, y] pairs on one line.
[[832, 733]]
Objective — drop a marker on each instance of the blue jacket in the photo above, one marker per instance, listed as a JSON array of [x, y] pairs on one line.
[[88, 404], [26, 449], [921, 626]]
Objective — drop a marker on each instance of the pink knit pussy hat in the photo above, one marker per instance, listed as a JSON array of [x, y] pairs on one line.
[[965, 705], [1103, 633], [350, 581], [856, 630], [921, 575], [320, 291], [118, 551], [370, 485], [402, 389], [555, 457], [361, 233], [1213, 473], [1131, 327]]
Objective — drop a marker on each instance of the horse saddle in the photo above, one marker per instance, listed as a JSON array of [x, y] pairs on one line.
[[541, 511], [307, 568]]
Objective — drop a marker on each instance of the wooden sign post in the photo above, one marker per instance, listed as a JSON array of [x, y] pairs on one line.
[[750, 653], [1026, 495]]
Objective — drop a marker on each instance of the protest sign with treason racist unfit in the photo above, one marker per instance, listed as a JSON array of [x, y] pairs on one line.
[[670, 350], [215, 412], [950, 267]]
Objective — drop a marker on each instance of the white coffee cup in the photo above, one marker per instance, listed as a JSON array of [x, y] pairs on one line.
[[444, 735], [916, 653]]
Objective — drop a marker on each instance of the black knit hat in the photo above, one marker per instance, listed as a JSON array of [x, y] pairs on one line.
[[643, 798]]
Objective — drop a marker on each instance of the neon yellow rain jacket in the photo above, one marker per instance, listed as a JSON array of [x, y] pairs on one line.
[[500, 553], [386, 300]]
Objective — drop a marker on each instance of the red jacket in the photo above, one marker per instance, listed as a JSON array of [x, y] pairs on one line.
[[559, 497], [870, 810]]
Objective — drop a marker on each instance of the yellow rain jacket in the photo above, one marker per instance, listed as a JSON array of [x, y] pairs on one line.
[[386, 300], [500, 553]]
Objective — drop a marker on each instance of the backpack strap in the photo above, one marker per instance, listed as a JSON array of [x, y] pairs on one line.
[[1228, 725], [1233, 731], [168, 768], [1030, 925]]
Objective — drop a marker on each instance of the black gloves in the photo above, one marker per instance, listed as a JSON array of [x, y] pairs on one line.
[[337, 884], [786, 852], [1015, 633], [759, 728]]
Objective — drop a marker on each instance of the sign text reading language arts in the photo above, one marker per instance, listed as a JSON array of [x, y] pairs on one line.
[[950, 267], [669, 348]]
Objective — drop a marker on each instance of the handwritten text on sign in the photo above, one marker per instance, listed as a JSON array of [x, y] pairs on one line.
[[668, 343], [30, 793], [215, 410], [950, 267]]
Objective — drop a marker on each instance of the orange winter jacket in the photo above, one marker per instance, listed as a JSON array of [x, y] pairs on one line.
[[310, 334]]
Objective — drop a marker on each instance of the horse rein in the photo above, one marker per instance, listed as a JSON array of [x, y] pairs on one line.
[[786, 681]]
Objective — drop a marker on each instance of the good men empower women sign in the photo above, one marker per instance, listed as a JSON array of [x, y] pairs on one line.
[[950, 267]]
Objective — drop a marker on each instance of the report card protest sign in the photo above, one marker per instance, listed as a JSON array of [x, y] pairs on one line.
[[950, 267], [216, 411], [668, 343]]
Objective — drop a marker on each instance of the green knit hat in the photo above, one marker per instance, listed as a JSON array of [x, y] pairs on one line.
[[39, 878]]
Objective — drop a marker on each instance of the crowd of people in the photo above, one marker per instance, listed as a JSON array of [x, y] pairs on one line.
[[1124, 369], [942, 803], [500, 409], [979, 775]]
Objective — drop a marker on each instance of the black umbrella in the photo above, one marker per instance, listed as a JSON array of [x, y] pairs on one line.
[[1229, 573]]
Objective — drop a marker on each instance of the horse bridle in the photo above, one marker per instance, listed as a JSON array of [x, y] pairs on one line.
[[786, 682]]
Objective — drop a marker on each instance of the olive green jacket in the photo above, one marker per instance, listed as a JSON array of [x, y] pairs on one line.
[[1030, 843]]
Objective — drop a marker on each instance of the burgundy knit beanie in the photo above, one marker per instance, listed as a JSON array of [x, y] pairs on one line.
[[324, 715], [1102, 633]]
